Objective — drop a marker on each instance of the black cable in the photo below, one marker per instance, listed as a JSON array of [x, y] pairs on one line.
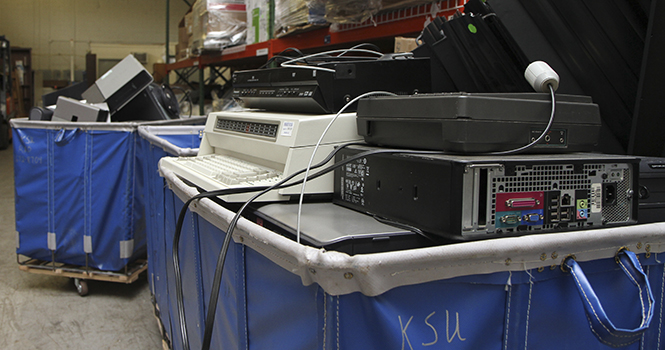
[[281, 55], [221, 258], [212, 305], [188, 96], [451, 237], [216, 284], [176, 245], [399, 225], [178, 283], [217, 279], [292, 49], [274, 59]]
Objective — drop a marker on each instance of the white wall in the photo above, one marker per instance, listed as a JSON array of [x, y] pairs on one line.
[[155, 53], [58, 30]]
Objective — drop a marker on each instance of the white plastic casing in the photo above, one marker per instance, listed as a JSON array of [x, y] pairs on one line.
[[539, 74]]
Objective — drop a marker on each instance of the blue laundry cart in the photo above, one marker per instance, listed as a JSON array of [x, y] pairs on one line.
[[157, 142], [590, 289], [76, 202]]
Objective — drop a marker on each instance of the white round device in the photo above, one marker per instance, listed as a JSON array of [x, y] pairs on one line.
[[539, 74]]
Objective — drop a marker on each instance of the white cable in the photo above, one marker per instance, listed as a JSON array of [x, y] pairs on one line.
[[547, 128], [343, 51], [316, 147], [309, 67], [347, 50], [396, 54], [402, 54]]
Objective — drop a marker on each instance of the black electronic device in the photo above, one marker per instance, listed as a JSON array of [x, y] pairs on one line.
[[155, 102], [305, 90], [467, 198], [479, 123], [40, 113], [74, 91], [168, 100], [652, 190], [473, 52]]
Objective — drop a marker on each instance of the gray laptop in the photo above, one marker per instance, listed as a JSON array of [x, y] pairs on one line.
[[332, 227]]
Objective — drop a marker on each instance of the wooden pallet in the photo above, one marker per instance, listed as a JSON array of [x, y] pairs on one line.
[[130, 274], [166, 343]]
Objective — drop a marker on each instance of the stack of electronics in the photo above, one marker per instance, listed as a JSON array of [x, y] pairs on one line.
[[462, 149], [125, 92], [513, 162], [327, 83], [288, 110]]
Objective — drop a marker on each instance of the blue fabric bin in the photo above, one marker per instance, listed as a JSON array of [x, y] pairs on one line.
[[76, 200], [191, 270], [157, 142], [529, 292]]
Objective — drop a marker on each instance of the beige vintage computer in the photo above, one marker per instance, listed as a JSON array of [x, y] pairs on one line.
[[254, 149]]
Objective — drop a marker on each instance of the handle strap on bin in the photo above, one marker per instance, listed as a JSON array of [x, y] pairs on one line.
[[600, 324], [63, 136]]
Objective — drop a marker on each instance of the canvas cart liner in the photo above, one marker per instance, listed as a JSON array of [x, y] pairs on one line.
[[159, 141], [521, 292], [76, 196]]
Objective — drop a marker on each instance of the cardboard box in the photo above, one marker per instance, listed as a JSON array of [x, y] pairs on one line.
[[184, 34], [403, 44], [183, 38], [189, 22]]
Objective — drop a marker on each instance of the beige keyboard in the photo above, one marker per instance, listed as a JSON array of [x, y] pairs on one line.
[[231, 171]]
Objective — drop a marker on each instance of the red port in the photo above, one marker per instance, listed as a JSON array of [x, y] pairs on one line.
[[519, 200]]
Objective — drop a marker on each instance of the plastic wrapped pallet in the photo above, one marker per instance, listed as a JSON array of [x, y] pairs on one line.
[[76, 201], [358, 11], [259, 21], [298, 15], [348, 11], [573, 290], [391, 5], [340, 12], [217, 24]]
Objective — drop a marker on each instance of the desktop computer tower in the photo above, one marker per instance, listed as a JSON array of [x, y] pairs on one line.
[[475, 197]]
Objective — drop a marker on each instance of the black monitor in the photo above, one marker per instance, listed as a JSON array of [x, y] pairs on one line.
[[155, 102], [74, 91]]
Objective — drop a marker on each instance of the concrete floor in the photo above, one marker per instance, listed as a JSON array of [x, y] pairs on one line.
[[45, 312]]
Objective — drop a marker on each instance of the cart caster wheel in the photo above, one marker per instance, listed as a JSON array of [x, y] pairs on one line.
[[81, 286]]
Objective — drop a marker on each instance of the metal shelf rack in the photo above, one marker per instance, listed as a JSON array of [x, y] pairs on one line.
[[401, 22]]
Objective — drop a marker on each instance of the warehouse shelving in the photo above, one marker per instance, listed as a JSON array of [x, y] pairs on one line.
[[23, 80], [386, 25], [5, 91]]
